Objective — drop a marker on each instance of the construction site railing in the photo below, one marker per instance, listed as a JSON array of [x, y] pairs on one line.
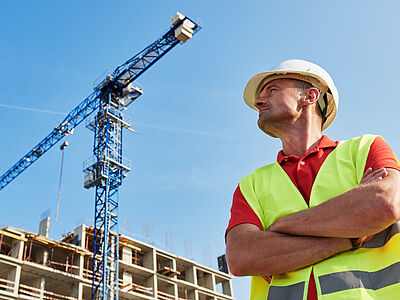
[[134, 287], [67, 268], [7, 285], [165, 296], [37, 293]]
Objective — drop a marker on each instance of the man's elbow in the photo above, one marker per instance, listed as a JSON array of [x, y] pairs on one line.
[[236, 270], [390, 204], [236, 263], [242, 252], [392, 212], [241, 264], [390, 195]]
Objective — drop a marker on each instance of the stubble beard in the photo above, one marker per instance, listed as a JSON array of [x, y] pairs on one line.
[[274, 125]]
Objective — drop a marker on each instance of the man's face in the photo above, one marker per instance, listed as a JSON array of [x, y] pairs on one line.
[[277, 105]]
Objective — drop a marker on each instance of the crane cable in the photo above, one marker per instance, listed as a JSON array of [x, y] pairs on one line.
[[62, 147]]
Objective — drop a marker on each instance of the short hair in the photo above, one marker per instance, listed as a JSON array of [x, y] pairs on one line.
[[304, 85]]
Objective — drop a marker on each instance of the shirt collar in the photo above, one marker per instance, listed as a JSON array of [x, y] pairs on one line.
[[324, 143]]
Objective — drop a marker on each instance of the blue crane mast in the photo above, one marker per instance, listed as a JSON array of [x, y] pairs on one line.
[[107, 168]]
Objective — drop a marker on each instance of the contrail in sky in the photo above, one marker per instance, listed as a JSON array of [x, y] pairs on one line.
[[209, 134], [191, 132], [33, 109]]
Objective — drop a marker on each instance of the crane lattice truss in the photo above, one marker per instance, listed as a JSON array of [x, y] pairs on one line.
[[106, 169]]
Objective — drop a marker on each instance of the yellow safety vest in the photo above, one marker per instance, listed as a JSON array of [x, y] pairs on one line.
[[371, 272]]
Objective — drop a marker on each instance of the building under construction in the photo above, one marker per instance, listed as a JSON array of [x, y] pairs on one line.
[[32, 266]]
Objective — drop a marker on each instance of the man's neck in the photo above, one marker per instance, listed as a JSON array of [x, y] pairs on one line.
[[300, 142]]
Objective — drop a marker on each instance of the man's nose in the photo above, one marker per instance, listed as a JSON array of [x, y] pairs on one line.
[[260, 101]]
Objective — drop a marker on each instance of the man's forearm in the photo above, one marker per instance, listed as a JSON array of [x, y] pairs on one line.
[[251, 251], [362, 211]]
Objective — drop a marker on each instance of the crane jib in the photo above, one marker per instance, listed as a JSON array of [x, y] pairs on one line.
[[124, 74]]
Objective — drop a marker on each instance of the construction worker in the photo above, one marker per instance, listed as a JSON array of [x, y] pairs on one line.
[[321, 221]]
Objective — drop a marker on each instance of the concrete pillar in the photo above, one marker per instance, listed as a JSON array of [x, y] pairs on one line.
[[45, 257], [39, 283], [15, 245], [77, 291], [126, 255], [21, 247], [14, 275], [173, 262], [79, 261], [193, 295], [80, 236], [42, 256], [190, 275], [175, 288], [42, 287], [17, 278], [152, 282], [210, 282], [126, 280], [44, 227]]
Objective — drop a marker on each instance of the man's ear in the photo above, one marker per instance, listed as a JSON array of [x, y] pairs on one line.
[[311, 96]]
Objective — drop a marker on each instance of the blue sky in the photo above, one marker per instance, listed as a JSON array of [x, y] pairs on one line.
[[196, 137]]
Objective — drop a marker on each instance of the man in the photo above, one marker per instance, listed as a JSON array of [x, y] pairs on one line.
[[320, 222]]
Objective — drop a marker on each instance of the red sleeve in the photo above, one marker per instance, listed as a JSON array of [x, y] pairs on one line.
[[241, 212], [381, 155]]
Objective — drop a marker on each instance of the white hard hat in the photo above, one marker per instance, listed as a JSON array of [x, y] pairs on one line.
[[301, 70]]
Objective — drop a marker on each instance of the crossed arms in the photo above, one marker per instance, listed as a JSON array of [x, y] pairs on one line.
[[310, 236]]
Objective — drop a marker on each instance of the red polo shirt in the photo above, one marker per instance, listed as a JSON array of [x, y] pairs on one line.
[[302, 172]]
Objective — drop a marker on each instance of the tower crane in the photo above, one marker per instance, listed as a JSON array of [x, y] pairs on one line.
[[107, 168]]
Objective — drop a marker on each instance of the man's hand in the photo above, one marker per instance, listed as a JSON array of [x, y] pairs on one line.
[[376, 175], [267, 278]]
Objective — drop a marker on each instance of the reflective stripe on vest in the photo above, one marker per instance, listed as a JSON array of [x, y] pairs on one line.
[[271, 194], [290, 292], [340, 281]]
